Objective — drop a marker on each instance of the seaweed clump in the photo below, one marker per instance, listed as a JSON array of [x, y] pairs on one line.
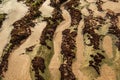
[[2, 18]]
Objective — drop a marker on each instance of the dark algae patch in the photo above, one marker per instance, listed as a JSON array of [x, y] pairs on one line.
[[0, 1], [114, 0], [38, 63], [2, 18], [66, 71], [68, 46], [29, 49], [95, 63], [99, 5], [4, 60]]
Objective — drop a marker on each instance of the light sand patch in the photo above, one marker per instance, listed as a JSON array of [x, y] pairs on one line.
[[91, 1], [107, 73], [107, 45], [85, 12], [46, 9], [114, 6], [12, 5], [79, 54], [56, 61], [83, 3], [18, 68]]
